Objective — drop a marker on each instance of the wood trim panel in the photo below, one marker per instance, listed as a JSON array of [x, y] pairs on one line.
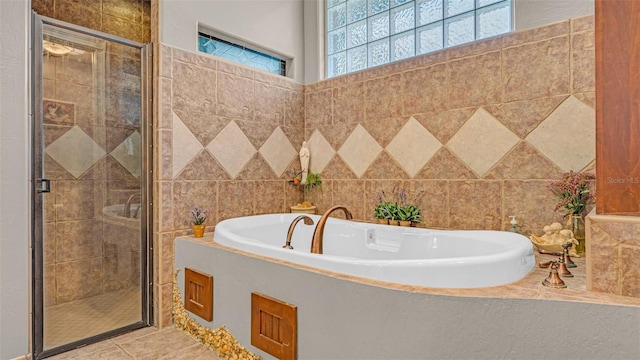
[[198, 293], [274, 326], [617, 37]]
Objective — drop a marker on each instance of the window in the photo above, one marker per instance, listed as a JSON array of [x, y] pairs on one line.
[[367, 33], [213, 45]]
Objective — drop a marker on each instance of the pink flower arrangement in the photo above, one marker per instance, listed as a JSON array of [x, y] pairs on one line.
[[574, 191]]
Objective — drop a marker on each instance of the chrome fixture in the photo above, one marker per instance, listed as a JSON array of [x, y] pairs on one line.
[[307, 221], [318, 233], [126, 212]]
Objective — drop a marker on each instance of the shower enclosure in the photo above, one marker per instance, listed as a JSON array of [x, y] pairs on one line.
[[91, 244]]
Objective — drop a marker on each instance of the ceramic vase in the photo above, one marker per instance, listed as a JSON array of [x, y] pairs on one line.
[[198, 230]]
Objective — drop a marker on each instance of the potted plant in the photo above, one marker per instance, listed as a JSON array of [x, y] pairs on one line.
[[574, 192], [199, 217], [312, 182], [399, 212]]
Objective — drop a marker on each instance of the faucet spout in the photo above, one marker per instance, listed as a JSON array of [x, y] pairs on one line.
[[307, 221], [318, 233], [126, 212]]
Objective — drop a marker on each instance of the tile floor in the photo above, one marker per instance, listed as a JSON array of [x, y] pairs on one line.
[[75, 320], [148, 343]]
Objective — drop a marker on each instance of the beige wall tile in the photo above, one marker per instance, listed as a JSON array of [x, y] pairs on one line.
[[629, 271], [351, 195], [383, 97], [423, 90], [236, 199], [318, 108], [583, 61], [83, 278], [232, 105], [524, 199], [475, 205], [348, 103], [270, 102], [194, 88], [475, 81], [547, 76], [270, 197], [187, 194]]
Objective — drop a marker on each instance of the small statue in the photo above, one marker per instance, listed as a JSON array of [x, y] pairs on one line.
[[304, 161], [553, 238]]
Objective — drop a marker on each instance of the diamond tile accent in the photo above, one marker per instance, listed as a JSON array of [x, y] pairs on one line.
[[320, 152], [413, 147], [232, 149], [128, 153], [278, 151], [188, 144], [75, 151], [554, 136], [482, 141], [359, 150]]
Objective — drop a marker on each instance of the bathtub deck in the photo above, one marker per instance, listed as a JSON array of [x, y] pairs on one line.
[[530, 287]]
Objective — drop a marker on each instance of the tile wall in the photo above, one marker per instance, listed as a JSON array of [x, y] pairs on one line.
[[614, 248], [130, 19], [92, 159], [227, 140], [482, 129]]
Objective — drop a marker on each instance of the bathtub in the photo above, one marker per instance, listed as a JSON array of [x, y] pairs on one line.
[[401, 255]]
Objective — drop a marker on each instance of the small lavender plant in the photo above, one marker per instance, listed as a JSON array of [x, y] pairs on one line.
[[199, 215]]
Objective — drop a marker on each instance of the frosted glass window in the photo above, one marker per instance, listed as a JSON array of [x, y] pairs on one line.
[[374, 32], [489, 22], [378, 6], [379, 26], [357, 34], [337, 40], [429, 38], [455, 7], [403, 46], [428, 11], [403, 18], [357, 58], [356, 10], [459, 30], [337, 64], [379, 52], [241, 54], [337, 16]]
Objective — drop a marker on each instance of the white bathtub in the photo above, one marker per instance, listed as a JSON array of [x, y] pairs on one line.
[[410, 256]]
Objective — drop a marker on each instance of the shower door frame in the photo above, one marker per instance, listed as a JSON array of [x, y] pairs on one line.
[[40, 186]]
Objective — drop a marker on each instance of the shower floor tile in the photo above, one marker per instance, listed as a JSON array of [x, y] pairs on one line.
[[145, 344], [83, 318]]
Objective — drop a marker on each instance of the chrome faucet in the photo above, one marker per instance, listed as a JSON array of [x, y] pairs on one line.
[[307, 221], [126, 212], [318, 233]]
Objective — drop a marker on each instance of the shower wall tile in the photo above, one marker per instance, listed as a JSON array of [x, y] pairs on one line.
[[76, 200], [547, 76], [50, 285], [77, 240], [124, 28], [83, 278], [165, 258], [86, 14], [127, 10], [164, 193]]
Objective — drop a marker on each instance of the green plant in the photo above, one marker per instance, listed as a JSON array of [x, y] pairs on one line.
[[312, 182], [398, 210], [574, 192], [199, 216]]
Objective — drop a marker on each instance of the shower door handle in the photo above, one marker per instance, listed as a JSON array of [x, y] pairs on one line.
[[44, 185]]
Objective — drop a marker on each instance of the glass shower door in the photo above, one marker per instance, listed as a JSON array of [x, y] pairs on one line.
[[90, 166]]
